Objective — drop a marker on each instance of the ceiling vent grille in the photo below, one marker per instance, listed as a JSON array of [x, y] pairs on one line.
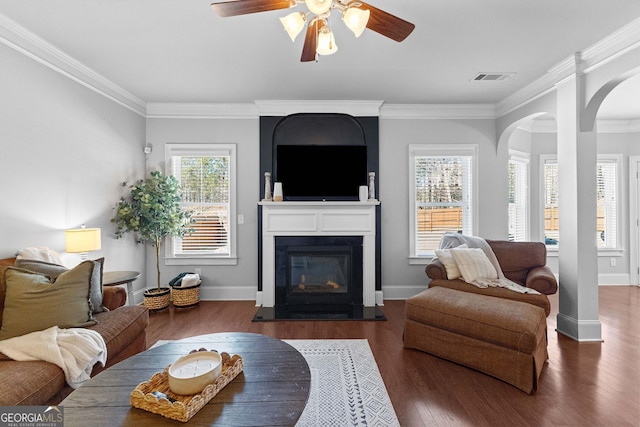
[[492, 77]]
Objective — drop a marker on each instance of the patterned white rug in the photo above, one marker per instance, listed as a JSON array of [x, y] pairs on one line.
[[346, 386]]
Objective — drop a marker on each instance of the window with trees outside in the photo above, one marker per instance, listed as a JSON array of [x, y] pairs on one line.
[[206, 173], [606, 234], [442, 194], [518, 196]]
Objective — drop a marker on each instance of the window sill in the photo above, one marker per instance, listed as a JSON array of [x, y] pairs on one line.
[[201, 261], [422, 260], [554, 252]]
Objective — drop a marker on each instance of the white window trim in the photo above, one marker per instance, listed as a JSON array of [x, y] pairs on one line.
[[183, 149], [524, 157], [439, 150], [602, 252]]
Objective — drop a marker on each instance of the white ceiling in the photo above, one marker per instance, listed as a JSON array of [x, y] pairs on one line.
[[181, 51]]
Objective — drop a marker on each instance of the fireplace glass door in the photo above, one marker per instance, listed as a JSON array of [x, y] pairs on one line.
[[324, 275]]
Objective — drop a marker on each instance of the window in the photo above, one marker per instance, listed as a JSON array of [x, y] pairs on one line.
[[518, 196], [606, 234], [442, 194], [550, 194], [206, 173], [607, 201]]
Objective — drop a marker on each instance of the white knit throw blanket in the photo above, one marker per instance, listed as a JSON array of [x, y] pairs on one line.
[[74, 350], [452, 240]]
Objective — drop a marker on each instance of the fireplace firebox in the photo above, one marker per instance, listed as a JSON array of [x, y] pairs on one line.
[[318, 273]]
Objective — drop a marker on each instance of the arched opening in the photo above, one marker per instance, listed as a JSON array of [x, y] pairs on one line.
[[617, 121]]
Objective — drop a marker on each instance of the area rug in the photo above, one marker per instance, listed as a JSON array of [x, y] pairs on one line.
[[346, 386]]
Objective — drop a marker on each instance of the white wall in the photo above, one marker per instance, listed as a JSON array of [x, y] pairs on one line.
[[399, 279], [218, 282], [63, 152]]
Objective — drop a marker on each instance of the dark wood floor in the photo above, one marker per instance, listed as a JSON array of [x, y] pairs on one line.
[[583, 384]]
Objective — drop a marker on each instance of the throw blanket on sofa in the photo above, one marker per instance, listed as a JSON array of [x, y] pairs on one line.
[[452, 240], [74, 350]]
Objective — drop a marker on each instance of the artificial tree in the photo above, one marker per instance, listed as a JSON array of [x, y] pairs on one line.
[[152, 211]]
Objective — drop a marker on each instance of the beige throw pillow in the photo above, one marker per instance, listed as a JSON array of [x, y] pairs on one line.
[[445, 257], [34, 302], [54, 270], [474, 264]]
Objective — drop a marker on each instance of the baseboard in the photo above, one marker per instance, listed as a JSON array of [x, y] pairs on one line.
[[579, 330], [614, 279]]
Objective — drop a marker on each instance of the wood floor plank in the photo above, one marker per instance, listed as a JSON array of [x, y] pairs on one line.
[[595, 384]]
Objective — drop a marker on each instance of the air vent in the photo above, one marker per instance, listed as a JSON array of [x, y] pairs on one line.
[[492, 77]]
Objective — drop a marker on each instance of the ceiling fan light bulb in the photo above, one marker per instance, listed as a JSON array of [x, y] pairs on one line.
[[326, 42], [356, 19], [293, 23], [318, 7]]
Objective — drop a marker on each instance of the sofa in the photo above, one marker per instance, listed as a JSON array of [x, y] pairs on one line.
[[41, 383], [522, 262]]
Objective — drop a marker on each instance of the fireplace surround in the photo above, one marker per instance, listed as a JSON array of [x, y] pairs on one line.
[[326, 223], [320, 215]]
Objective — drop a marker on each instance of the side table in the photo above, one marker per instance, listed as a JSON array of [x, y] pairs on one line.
[[113, 278]]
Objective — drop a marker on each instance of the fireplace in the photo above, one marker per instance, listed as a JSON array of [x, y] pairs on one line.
[[330, 238], [318, 273]]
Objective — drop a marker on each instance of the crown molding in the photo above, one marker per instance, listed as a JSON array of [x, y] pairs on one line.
[[595, 56], [20, 39], [287, 107], [168, 110], [603, 126], [438, 111]]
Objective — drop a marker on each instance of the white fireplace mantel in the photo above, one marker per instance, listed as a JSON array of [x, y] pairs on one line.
[[319, 219]]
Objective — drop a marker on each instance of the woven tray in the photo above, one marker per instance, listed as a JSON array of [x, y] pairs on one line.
[[183, 407]]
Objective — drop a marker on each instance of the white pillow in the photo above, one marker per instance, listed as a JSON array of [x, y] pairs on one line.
[[445, 257], [474, 264]]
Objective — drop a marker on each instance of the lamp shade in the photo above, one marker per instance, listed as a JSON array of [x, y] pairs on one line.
[[82, 240], [318, 7], [294, 23], [326, 42], [356, 19]]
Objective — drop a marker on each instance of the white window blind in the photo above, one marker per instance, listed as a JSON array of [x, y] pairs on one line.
[[204, 181], [442, 198], [550, 177], [518, 198], [607, 201]]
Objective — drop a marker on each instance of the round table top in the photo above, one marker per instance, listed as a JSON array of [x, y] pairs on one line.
[[272, 389], [112, 278]]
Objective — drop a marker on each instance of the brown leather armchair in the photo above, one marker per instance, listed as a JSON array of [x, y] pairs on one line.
[[522, 262]]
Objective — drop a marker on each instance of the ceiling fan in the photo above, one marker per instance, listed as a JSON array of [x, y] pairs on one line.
[[319, 40]]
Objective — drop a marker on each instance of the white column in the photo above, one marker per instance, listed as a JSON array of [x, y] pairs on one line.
[[578, 255]]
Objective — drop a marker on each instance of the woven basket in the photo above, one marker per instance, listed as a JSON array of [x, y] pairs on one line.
[[179, 407], [185, 297], [156, 301]]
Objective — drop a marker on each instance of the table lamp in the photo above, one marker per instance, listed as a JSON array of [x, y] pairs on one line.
[[83, 240]]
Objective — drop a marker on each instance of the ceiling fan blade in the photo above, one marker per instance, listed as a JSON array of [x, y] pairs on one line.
[[310, 42], [244, 7], [387, 24]]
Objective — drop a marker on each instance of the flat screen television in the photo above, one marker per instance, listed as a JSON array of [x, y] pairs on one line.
[[321, 172]]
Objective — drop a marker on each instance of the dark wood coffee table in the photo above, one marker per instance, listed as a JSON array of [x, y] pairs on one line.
[[271, 391]]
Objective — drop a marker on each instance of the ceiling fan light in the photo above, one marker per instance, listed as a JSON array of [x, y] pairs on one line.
[[318, 6], [294, 23], [326, 42], [356, 19]]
